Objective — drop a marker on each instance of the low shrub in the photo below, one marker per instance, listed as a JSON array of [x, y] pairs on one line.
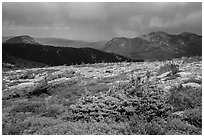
[[33, 107], [121, 103], [140, 126], [193, 116], [53, 111], [13, 129], [85, 128], [137, 125], [154, 128], [174, 68], [179, 127], [182, 98], [33, 124]]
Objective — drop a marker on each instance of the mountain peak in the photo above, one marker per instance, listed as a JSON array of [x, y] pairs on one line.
[[119, 38], [159, 32], [155, 36], [118, 42], [22, 39]]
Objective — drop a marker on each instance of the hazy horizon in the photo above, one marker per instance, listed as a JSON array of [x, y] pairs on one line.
[[99, 21]]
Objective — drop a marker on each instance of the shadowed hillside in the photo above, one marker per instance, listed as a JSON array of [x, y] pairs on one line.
[[57, 55]]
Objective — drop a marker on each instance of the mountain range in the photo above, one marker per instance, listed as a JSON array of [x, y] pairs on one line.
[[156, 46], [57, 51]]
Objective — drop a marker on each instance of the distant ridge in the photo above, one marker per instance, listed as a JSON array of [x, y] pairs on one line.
[[60, 42], [156, 46], [57, 42], [21, 39], [153, 46]]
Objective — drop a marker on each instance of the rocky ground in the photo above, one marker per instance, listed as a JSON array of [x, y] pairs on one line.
[[104, 73], [40, 84]]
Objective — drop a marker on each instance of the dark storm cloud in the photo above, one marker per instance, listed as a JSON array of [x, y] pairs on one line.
[[99, 21]]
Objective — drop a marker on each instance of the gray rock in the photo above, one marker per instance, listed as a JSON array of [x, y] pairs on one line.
[[178, 113], [182, 79], [164, 74], [59, 81], [185, 74], [28, 88], [61, 74], [152, 79], [191, 84], [22, 86], [25, 85]]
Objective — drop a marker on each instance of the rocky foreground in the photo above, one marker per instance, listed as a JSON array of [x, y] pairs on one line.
[[64, 85], [101, 73]]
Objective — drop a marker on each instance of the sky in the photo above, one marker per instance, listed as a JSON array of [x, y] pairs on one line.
[[99, 21]]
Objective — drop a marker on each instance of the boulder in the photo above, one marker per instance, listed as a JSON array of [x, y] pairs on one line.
[[60, 74], [191, 84], [28, 89], [164, 74], [178, 113], [59, 81], [185, 74], [25, 85], [22, 86], [183, 79], [152, 79]]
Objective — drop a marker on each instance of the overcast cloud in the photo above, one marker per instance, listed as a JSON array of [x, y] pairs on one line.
[[99, 21]]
